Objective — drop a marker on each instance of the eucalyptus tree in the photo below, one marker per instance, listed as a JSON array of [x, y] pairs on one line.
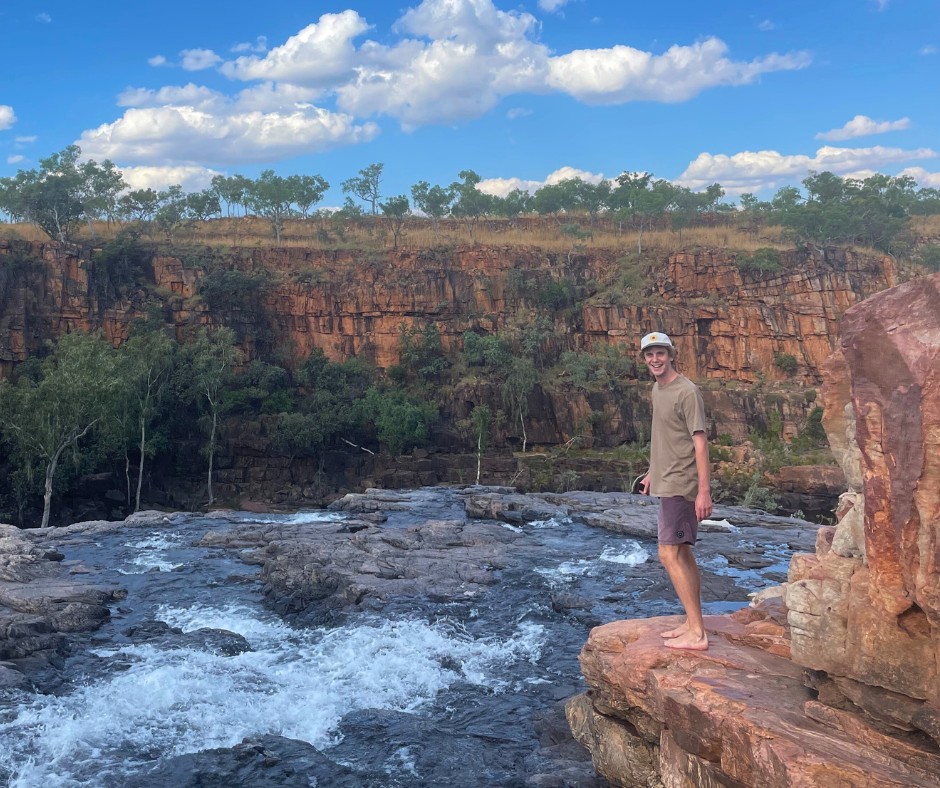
[[520, 380], [366, 185], [307, 191], [470, 203], [212, 358], [397, 210], [47, 416], [512, 206], [148, 360], [433, 201], [271, 196]]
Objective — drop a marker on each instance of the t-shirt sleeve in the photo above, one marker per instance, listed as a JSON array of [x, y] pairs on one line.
[[693, 408]]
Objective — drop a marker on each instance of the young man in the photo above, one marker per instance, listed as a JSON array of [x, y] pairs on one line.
[[678, 476]]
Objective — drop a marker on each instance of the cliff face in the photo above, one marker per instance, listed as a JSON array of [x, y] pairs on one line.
[[726, 324], [834, 678]]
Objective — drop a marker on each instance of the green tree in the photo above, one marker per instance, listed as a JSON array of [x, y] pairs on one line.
[[149, 358], [307, 191], [514, 205], [171, 215], [433, 201], [366, 185], [271, 196], [98, 189], [479, 425], [46, 417], [470, 203], [396, 210], [140, 205], [203, 205], [521, 378], [212, 358], [400, 423]]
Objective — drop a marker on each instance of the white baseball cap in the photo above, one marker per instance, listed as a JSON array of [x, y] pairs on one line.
[[657, 338]]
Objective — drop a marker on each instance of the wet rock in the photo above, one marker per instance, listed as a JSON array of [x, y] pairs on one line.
[[216, 641], [258, 762]]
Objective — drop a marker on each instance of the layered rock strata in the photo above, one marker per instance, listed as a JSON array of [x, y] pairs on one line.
[[831, 680]]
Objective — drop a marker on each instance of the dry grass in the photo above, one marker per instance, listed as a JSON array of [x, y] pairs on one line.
[[375, 234]]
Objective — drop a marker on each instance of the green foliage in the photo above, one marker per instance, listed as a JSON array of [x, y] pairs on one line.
[[725, 439], [763, 260], [397, 210], [366, 185], [929, 257], [786, 362], [230, 290], [420, 356], [118, 263], [607, 364], [486, 350], [557, 294], [42, 418], [400, 422], [433, 201]]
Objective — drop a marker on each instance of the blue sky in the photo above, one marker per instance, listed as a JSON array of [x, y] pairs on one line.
[[693, 92]]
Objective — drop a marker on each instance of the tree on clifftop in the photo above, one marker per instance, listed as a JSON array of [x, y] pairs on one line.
[[434, 201], [397, 210], [46, 417], [271, 196], [366, 185]]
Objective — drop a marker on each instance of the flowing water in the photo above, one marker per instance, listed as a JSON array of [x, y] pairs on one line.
[[463, 675]]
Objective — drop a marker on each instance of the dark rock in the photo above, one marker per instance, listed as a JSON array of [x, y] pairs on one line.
[[161, 635]]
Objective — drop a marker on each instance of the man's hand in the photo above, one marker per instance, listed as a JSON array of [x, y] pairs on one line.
[[703, 505], [645, 485]]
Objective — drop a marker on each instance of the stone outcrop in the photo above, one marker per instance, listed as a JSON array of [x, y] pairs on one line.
[[833, 679]]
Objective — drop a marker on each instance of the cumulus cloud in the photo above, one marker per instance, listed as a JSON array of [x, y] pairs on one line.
[[199, 59], [15, 159], [518, 112], [923, 178], [317, 56], [502, 186], [456, 59], [622, 73], [750, 171], [766, 26], [863, 126], [7, 118], [260, 45], [185, 135], [157, 60], [26, 140], [190, 178], [552, 5]]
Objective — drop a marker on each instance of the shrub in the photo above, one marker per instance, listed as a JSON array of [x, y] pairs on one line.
[[929, 257], [764, 259], [232, 289], [786, 362], [556, 295], [725, 439]]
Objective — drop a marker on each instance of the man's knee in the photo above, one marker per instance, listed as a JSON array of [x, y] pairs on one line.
[[669, 554]]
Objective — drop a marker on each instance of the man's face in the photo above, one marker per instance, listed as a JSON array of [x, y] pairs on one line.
[[657, 359]]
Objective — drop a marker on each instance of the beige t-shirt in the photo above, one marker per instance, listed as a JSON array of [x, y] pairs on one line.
[[678, 411]]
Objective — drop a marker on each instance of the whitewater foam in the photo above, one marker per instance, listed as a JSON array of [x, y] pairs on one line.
[[297, 683], [629, 554]]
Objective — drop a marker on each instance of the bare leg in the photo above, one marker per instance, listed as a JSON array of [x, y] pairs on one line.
[[683, 571]]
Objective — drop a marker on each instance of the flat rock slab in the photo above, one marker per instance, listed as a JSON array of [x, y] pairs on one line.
[[734, 715]]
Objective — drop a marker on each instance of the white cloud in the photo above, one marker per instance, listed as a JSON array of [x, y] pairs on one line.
[[622, 73], [7, 118], [930, 49], [190, 178], [750, 171], [260, 45], [502, 186], [26, 140], [766, 26], [199, 59], [184, 134], [317, 56], [456, 59], [263, 98], [863, 126], [882, 4], [923, 178], [157, 60], [518, 112], [43, 17], [553, 5], [16, 159]]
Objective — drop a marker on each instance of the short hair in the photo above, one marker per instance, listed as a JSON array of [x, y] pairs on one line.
[[673, 353]]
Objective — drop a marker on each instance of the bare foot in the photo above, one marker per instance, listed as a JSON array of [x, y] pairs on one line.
[[677, 632], [689, 642]]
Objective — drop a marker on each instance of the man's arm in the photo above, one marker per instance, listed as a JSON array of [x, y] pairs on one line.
[[703, 501]]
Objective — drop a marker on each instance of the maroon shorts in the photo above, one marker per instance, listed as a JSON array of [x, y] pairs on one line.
[[677, 521]]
